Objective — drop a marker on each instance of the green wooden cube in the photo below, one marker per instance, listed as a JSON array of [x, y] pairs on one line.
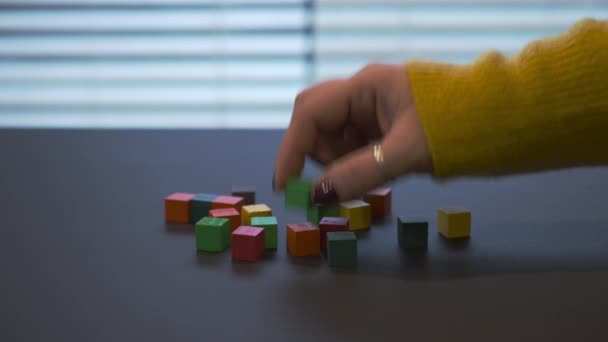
[[200, 206], [212, 234], [270, 225], [315, 213], [297, 193], [342, 249], [412, 232]]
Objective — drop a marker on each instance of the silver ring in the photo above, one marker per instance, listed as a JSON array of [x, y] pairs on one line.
[[378, 155]]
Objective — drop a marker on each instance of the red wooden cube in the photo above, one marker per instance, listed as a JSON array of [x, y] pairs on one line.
[[177, 207], [231, 214], [227, 202], [247, 243], [331, 224], [380, 202]]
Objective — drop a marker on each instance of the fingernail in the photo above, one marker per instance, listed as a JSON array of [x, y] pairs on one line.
[[324, 193]]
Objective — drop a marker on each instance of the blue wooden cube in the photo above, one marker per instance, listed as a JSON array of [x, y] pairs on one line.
[[200, 206]]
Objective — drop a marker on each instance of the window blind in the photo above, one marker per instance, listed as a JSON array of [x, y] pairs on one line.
[[233, 63], [152, 63], [352, 33]]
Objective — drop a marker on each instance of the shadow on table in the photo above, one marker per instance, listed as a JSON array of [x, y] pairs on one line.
[[211, 260], [364, 234], [222, 260], [312, 262], [497, 250], [461, 244], [246, 269], [382, 222], [492, 251], [179, 228]]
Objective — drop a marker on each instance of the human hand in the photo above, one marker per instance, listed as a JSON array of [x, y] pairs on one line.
[[333, 122]]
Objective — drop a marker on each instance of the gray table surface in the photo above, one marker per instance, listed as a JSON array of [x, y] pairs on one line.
[[85, 253]]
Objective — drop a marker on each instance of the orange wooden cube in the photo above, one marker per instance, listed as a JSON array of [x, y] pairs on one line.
[[177, 207], [228, 202], [230, 213], [380, 202], [303, 239]]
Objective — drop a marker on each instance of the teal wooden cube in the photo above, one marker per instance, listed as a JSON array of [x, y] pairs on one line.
[[412, 232], [270, 225], [342, 249], [297, 193], [315, 213], [212, 234], [200, 206]]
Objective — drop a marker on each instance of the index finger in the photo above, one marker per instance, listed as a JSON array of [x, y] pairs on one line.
[[322, 108]]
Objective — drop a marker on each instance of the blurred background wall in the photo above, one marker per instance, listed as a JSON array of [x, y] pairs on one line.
[[233, 63]]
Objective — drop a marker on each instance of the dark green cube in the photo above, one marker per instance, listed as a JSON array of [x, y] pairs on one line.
[[270, 225], [412, 232], [297, 193], [315, 213], [200, 206], [212, 234], [342, 249]]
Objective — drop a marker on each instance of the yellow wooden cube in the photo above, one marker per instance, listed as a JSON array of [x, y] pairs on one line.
[[454, 222], [359, 214], [253, 210]]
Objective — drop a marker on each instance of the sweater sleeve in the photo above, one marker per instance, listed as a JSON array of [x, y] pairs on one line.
[[546, 108]]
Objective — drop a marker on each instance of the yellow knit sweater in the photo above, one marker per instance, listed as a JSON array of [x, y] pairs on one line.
[[545, 108]]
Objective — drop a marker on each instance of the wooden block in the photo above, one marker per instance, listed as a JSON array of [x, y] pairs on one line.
[[270, 226], [380, 202], [316, 212], [228, 202], [412, 233], [303, 239], [358, 213], [200, 206], [247, 192], [248, 243], [297, 193], [250, 211], [331, 224], [231, 214], [342, 249], [454, 222], [212, 234], [177, 207]]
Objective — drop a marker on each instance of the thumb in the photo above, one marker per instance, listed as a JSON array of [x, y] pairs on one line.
[[403, 149]]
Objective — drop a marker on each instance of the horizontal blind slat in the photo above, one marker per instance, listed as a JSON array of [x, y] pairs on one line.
[[209, 71], [146, 96], [182, 119], [427, 19], [146, 3], [346, 3], [262, 45], [82, 21]]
